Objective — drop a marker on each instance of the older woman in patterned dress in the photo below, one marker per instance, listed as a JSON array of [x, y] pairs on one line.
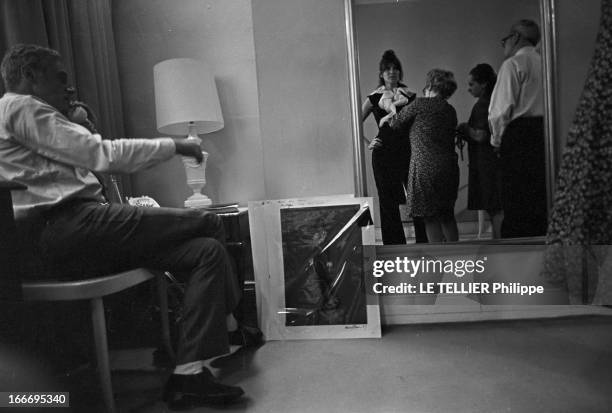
[[433, 178]]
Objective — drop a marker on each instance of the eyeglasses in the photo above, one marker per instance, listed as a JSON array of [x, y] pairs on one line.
[[505, 39]]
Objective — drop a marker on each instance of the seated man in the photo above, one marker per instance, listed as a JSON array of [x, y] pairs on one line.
[[74, 229]]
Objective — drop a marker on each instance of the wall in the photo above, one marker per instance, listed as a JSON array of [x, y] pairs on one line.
[[435, 33], [302, 70], [281, 74], [283, 91], [283, 85], [220, 33]]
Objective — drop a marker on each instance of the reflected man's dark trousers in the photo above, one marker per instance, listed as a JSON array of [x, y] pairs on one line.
[[523, 165]]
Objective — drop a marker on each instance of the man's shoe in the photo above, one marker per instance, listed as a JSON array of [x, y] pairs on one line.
[[188, 391], [246, 336]]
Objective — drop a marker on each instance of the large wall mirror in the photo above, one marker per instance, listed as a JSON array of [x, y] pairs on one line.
[[451, 34]]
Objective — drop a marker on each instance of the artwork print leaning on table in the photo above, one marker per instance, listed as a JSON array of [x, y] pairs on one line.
[[311, 260], [323, 274]]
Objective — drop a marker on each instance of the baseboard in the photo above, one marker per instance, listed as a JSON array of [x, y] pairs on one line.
[[420, 314]]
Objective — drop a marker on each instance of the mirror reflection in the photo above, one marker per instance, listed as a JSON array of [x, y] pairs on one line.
[[419, 152]]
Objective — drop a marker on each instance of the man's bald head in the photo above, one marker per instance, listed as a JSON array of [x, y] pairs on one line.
[[528, 30]]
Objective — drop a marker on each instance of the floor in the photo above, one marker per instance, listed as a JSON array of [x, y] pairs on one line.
[[552, 365], [468, 231]]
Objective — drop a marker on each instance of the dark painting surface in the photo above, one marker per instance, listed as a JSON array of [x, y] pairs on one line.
[[324, 278]]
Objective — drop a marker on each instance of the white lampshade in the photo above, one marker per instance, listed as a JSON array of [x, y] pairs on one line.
[[185, 92]]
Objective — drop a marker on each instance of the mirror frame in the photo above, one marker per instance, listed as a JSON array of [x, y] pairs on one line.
[[549, 68]]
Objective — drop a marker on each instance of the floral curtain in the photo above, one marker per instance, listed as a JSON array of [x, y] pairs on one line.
[[580, 229]]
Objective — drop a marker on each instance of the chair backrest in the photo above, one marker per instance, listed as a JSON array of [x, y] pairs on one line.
[[18, 254]]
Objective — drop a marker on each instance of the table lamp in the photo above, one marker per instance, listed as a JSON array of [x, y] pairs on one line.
[[187, 103]]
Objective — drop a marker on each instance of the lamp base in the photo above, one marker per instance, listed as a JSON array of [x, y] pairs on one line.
[[198, 201]]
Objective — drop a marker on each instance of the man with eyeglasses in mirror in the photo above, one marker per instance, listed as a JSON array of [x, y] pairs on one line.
[[517, 130]]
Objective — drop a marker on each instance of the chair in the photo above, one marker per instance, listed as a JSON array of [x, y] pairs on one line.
[[93, 290]]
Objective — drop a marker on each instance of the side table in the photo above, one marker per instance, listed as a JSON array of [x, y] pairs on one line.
[[238, 242]]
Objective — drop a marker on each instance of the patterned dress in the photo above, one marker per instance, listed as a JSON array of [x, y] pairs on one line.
[[580, 229], [433, 177]]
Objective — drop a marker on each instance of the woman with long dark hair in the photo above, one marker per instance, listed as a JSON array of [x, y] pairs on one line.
[[390, 149], [484, 183]]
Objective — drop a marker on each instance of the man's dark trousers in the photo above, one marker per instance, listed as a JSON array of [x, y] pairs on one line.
[[88, 238]]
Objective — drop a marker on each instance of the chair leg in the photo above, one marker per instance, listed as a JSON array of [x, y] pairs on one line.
[[99, 332], [162, 289]]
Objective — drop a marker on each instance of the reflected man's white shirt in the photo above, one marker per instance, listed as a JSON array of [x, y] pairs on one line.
[[517, 93]]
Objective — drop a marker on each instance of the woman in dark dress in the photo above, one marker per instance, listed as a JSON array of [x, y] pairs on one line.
[[484, 183], [433, 178], [390, 152]]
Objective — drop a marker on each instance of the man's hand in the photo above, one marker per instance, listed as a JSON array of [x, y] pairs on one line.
[[189, 147]]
